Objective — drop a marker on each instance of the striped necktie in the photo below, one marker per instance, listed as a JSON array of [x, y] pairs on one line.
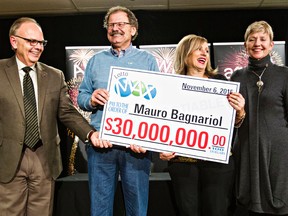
[[31, 132]]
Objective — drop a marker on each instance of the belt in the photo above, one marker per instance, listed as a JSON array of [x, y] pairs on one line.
[[185, 159], [35, 147]]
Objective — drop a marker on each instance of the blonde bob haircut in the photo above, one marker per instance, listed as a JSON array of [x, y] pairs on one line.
[[259, 26], [185, 47]]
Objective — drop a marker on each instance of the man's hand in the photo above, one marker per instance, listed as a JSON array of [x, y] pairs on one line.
[[99, 97], [98, 142]]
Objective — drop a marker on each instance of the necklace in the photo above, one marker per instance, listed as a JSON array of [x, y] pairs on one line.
[[260, 83]]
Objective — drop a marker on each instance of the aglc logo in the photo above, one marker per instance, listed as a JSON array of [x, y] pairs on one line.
[[125, 87]]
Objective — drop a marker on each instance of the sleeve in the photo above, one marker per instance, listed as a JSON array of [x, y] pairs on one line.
[[69, 115], [86, 88], [153, 64], [220, 77], [285, 95]]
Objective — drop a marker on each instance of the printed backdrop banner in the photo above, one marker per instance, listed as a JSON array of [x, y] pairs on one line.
[[76, 62], [164, 55], [229, 57]]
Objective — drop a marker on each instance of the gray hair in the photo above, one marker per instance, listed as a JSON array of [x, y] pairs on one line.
[[131, 16]]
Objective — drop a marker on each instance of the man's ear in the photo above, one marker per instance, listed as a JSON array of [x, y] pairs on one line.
[[13, 42], [133, 31]]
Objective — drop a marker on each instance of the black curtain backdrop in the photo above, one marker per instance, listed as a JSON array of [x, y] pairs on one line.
[[155, 27]]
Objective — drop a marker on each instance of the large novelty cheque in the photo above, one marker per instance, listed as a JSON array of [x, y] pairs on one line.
[[169, 113]]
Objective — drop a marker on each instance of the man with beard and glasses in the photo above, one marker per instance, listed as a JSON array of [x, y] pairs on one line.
[[106, 162]]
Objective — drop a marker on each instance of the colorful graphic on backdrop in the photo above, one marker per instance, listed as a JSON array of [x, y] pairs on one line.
[[164, 55], [229, 57]]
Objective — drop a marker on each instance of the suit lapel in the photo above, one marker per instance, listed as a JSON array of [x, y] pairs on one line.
[[42, 79], [12, 73]]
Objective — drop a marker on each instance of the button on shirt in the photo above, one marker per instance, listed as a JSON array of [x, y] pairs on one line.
[[121, 53]]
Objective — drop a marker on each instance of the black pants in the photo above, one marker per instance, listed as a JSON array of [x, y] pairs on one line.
[[203, 188]]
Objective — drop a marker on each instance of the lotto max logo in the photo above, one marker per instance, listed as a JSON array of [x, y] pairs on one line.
[[125, 88]]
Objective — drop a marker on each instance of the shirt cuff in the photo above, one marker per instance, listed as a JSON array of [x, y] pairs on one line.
[[89, 134]]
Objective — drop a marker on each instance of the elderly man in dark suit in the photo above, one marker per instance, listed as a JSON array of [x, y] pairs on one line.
[[30, 160]]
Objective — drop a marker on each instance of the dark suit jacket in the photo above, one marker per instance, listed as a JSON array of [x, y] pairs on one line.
[[53, 104]]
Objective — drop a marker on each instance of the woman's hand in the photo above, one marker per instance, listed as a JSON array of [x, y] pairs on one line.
[[167, 155], [137, 149], [237, 101]]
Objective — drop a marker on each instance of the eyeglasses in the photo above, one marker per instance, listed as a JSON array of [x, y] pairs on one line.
[[33, 42], [117, 24]]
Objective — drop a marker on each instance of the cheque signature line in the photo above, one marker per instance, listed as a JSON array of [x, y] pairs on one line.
[[179, 121]]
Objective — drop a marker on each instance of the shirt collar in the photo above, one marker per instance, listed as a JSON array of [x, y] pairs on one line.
[[122, 52], [21, 65]]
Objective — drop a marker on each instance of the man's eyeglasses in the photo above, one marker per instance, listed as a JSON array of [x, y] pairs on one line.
[[33, 42], [117, 24]]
